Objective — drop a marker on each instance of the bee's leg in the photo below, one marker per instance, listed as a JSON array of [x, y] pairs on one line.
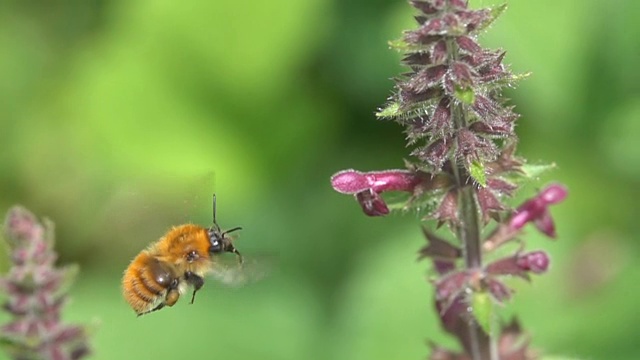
[[195, 280], [232, 249], [173, 294], [240, 259], [160, 306], [152, 310], [170, 299]]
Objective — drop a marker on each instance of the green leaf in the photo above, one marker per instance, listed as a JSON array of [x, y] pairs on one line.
[[529, 172], [423, 204], [518, 77], [392, 110], [482, 308], [398, 44], [403, 46], [509, 81], [495, 12], [466, 95], [476, 169], [559, 357], [532, 171]]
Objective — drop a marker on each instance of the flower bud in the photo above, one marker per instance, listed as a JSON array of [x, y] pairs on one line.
[[536, 261], [554, 194]]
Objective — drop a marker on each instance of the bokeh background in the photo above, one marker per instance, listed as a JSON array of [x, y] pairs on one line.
[[119, 119]]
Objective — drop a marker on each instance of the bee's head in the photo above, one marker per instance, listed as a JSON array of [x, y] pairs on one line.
[[218, 240]]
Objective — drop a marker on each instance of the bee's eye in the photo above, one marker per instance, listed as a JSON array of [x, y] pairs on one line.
[[216, 241], [216, 246]]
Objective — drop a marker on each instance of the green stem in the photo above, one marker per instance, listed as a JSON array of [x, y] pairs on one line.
[[468, 229], [469, 235], [468, 232]]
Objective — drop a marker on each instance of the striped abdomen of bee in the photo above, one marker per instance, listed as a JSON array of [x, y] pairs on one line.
[[158, 275]]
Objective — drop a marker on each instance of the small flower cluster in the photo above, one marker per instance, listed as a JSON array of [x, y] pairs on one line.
[[463, 168], [36, 292]]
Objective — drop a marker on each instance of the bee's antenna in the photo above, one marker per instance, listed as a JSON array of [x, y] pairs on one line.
[[232, 230]]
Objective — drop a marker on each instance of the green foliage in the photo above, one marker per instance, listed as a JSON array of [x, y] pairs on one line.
[[401, 45], [477, 172], [482, 308], [533, 171], [465, 95], [529, 172], [496, 11], [392, 110]]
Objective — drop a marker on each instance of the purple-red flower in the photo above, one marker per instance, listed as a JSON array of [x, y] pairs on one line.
[[367, 186], [536, 210], [353, 181]]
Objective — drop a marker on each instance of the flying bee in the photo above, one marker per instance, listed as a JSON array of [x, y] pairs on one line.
[[162, 272]]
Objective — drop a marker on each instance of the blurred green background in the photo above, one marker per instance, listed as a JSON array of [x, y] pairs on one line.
[[119, 119]]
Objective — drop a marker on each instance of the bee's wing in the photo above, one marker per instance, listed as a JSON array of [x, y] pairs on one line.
[[229, 271]]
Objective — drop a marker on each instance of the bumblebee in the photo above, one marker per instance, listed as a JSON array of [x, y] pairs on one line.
[[162, 272]]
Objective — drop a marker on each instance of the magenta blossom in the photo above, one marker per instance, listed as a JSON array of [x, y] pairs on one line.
[[536, 210], [367, 186], [353, 181]]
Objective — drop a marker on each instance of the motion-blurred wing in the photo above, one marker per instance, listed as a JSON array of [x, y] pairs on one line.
[[228, 271]]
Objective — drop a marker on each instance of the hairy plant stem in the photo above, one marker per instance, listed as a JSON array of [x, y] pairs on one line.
[[468, 231], [469, 234]]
